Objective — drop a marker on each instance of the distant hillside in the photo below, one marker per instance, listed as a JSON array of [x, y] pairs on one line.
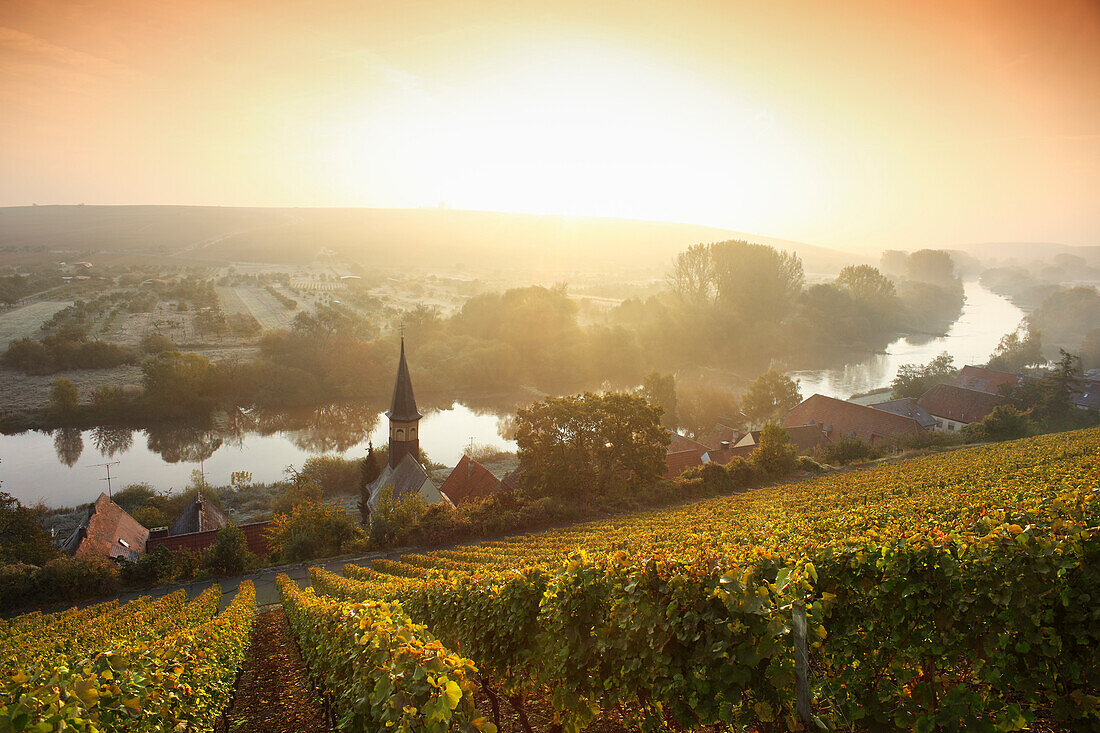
[[1022, 253], [377, 237]]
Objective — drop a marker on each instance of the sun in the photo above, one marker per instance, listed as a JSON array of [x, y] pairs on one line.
[[573, 129]]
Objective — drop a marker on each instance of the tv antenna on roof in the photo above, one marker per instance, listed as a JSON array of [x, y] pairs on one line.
[[108, 479]]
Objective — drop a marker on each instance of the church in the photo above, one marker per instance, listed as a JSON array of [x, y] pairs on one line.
[[403, 471]]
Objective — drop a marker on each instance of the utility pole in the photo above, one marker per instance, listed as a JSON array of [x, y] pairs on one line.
[[108, 479]]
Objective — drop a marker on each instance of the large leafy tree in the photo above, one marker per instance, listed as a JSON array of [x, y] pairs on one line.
[[589, 445], [179, 385], [745, 282], [913, 380], [770, 397], [1018, 350], [660, 390]]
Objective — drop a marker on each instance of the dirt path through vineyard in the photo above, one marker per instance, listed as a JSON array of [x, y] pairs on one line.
[[274, 694]]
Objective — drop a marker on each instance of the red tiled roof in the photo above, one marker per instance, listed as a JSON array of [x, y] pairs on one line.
[[804, 437], [725, 455], [680, 443], [469, 481], [722, 433], [679, 461], [958, 404], [984, 380], [839, 419], [107, 531]]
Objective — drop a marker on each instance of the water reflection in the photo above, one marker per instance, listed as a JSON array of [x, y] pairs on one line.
[[183, 443], [327, 429], [69, 444], [109, 440]]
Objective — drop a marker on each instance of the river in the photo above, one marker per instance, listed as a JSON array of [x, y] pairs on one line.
[[60, 468], [985, 318]]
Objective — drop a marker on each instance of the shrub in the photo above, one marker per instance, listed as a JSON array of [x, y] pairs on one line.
[[311, 530], [156, 567], [19, 585], [76, 578], [155, 343], [335, 475], [775, 454], [392, 521], [1004, 422], [230, 553], [743, 474], [848, 450]]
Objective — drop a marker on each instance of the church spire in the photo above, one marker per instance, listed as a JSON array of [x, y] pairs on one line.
[[403, 415], [403, 406]]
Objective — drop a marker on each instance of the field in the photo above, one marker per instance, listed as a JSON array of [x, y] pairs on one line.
[[270, 313], [953, 591], [25, 321]]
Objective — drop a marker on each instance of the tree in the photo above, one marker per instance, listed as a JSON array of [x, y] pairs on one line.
[[866, 283], [179, 385], [913, 380], [23, 539], [755, 281], [586, 446], [369, 471], [660, 390], [775, 454], [692, 276], [64, 402], [931, 266], [1050, 399], [1015, 352], [770, 397], [1090, 349]]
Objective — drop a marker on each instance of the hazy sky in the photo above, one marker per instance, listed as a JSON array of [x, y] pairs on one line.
[[849, 124]]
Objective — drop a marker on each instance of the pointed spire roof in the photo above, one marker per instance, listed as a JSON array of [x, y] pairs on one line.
[[403, 406]]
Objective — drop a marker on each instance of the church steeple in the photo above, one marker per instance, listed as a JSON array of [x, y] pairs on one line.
[[403, 415]]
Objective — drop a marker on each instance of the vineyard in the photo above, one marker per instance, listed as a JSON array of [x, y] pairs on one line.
[[951, 591], [954, 591], [149, 665]]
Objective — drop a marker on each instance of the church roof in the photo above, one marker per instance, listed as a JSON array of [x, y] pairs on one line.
[[403, 406], [406, 478]]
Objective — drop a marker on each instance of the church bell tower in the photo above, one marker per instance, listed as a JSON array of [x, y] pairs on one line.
[[403, 416]]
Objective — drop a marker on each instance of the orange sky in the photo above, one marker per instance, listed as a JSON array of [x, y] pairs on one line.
[[847, 124]]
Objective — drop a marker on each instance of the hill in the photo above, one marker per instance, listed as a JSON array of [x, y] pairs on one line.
[[442, 238]]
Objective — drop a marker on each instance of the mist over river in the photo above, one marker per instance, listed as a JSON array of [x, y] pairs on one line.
[[58, 467]]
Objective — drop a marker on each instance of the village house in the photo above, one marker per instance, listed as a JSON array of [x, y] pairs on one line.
[[838, 419], [985, 380], [807, 439], [197, 526], [907, 407], [469, 481], [956, 407], [682, 453], [403, 471], [106, 530]]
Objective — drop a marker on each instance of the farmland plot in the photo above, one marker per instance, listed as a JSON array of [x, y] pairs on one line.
[[264, 308], [24, 322]]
